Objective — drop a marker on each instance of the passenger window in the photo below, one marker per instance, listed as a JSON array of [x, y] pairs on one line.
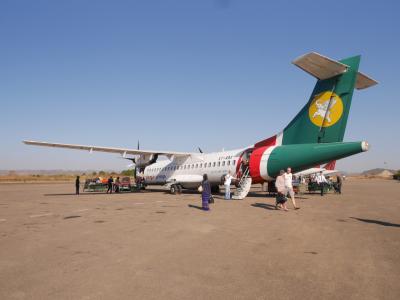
[[197, 166], [209, 164], [223, 163], [192, 166], [219, 164], [214, 164], [234, 162], [201, 165], [229, 162]]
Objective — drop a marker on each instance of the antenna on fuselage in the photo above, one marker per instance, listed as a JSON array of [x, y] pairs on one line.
[[201, 151]]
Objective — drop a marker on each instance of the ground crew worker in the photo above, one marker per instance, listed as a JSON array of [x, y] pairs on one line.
[[321, 180], [339, 183], [227, 184], [117, 184], [110, 182], [77, 185]]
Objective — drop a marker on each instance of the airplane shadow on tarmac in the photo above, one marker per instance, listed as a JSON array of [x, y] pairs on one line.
[[383, 223]]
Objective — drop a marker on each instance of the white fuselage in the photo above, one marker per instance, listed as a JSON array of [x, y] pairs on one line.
[[189, 171]]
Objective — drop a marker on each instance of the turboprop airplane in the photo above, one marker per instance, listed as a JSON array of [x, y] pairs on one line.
[[327, 170], [313, 137]]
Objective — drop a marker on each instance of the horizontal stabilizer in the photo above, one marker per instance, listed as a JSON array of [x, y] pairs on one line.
[[320, 66], [363, 81]]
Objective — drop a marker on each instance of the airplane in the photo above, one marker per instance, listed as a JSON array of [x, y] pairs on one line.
[[327, 170], [313, 137]]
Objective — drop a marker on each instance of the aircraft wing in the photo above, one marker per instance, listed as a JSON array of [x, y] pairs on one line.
[[122, 151], [309, 171], [317, 170], [331, 172]]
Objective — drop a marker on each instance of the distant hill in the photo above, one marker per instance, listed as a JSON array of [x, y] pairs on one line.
[[379, 172]]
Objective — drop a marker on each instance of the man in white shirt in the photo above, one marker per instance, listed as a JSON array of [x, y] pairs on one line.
[[227, 184], [289, 186], [321, 180]]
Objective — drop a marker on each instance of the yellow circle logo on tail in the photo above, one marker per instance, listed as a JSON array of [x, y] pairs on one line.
[[325, 109]]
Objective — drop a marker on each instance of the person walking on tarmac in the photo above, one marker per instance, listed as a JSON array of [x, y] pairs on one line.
[[281, 191], [289, 185], [339, 180], [321, 180], [77, 185], [205, 193], [110, 182]]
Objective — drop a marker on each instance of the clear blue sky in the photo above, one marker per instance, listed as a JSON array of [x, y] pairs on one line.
[[182, 74]]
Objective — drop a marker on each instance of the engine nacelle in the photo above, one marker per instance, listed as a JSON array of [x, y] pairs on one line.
[[145, 160]]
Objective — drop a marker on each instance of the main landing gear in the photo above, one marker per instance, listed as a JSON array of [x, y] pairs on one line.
[[175, 189]]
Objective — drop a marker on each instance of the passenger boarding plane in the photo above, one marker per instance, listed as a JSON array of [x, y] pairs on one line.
[[313, 137]]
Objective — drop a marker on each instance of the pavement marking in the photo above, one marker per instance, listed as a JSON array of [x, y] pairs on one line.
[[3, 220], [138, 203], [160, 201], [81, 210], [42, 215]]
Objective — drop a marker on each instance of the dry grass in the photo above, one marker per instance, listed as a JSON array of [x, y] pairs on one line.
[[42, 178], [37, 178]]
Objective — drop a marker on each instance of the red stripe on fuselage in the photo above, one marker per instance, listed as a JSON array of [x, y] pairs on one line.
[[255, 160], [267, 142]]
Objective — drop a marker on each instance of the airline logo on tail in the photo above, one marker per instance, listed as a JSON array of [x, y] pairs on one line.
[[325, 109]]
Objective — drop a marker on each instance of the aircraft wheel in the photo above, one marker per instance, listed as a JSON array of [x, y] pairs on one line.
[[173, 189]]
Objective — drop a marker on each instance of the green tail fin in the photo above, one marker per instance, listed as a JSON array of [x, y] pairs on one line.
[[323, 119]]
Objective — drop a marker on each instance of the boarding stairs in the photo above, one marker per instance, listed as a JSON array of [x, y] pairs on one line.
[[244, 186]]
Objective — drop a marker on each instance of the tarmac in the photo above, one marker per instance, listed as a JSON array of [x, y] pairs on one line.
[[153, 245]]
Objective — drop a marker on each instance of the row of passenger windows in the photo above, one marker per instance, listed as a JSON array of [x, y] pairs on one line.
[[196, 166]]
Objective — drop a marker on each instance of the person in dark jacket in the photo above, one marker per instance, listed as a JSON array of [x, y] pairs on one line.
[[339, 180], [77, 185], [117, 184], [205, 193], [110, 182]]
